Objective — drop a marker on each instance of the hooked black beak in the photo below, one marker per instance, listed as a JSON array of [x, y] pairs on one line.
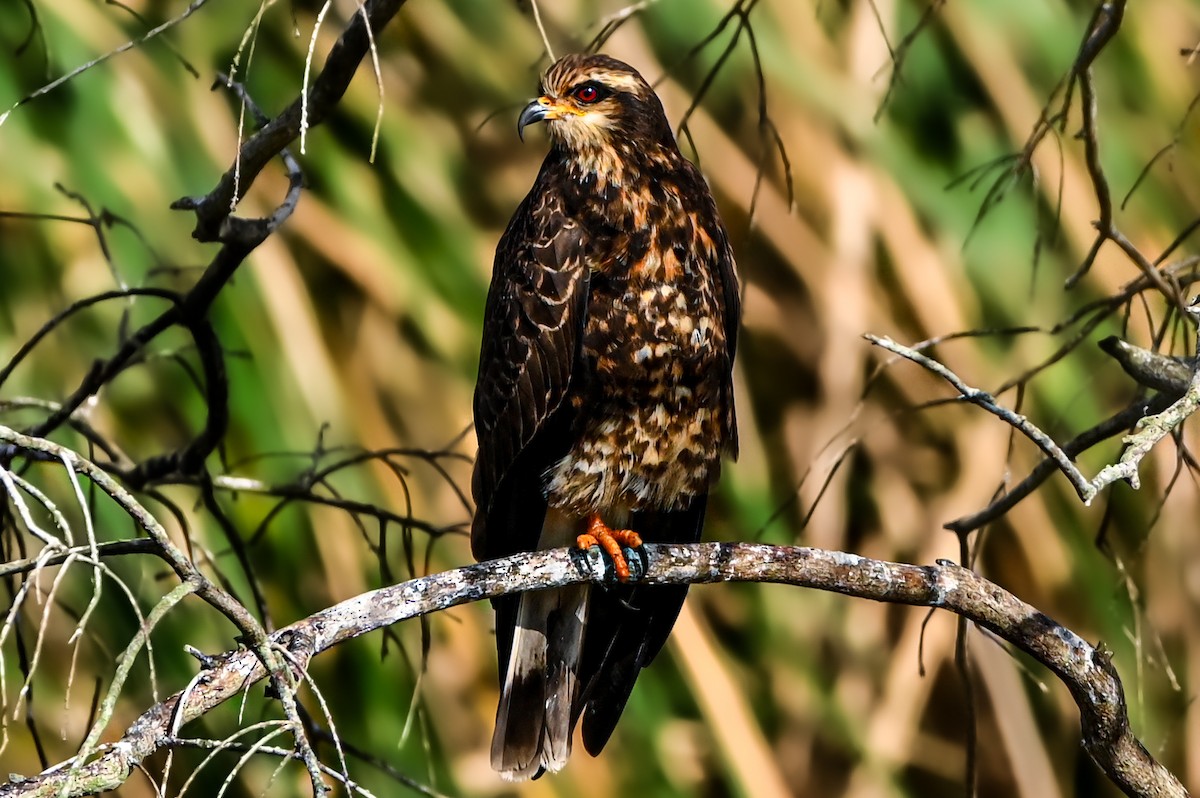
[[536, 111]]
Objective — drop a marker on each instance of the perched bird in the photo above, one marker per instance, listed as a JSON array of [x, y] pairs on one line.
[[604, 401]]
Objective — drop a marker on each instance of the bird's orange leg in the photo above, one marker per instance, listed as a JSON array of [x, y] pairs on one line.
[[610, 540]]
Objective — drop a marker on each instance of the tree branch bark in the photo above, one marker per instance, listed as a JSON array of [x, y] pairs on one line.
[[1086, 670]]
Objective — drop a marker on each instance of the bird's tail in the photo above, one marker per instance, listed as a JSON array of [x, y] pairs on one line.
[[535, 719]]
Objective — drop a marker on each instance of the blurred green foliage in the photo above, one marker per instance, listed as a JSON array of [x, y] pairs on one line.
[[356, 327]]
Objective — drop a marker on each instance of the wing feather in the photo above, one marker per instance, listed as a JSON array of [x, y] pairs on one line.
[[533, 328], [726, 273], [724, 270]]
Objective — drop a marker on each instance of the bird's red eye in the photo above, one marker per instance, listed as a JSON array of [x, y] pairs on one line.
[[587, 94]]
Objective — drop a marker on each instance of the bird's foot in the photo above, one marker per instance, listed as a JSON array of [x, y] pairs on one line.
[[623, 547]]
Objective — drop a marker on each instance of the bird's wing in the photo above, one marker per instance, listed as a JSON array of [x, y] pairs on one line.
[[533, 327], [724, 269], [731, 296]]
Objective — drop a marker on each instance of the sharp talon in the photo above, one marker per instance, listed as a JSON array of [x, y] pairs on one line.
[[643, 559], [589, 561], [620, 545], [638, 562]]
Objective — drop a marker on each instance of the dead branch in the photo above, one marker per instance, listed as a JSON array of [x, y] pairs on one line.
[[213, 210], [191, 580], [1086, 670], [1112, 426], [1165, 373], [1150, 429]]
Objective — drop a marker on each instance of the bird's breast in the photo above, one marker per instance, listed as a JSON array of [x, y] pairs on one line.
[[650, 410]]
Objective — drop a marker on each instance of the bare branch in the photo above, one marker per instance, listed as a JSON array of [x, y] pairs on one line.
[[1110, 427], [612, 23], [59, 81], [107, 549], [1171, 375], [190, 576], [985, 400], [1152, 429], [1086, 670], [898, 54], [537, 17], [213, 209]]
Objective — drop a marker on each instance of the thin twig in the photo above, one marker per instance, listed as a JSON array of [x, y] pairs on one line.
[[985, 400], [190, 576], [1151, 429], [537, 18], [1110, 427], [54, 84]]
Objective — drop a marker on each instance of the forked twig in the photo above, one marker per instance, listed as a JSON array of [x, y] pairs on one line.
[[1151, 429]]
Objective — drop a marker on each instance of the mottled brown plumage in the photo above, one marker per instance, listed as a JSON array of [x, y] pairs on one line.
[[604, 389]]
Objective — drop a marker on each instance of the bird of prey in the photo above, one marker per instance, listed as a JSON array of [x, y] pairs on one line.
[[604, 402]]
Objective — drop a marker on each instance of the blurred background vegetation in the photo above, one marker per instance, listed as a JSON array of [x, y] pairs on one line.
[[356, 327]]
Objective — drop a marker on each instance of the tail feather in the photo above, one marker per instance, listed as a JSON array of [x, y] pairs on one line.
[[520, 717], [553, 674], [533, 720], [541, 681], [630, 624]]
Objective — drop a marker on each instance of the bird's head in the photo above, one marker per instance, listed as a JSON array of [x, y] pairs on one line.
[[593, 102]]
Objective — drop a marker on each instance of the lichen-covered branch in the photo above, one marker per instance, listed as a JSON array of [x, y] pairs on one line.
[[1150, 430], [1086, 670]]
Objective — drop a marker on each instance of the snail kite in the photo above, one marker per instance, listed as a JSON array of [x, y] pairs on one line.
[[604, 401]]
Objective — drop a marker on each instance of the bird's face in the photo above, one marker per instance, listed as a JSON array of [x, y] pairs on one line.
[[589, 102]]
